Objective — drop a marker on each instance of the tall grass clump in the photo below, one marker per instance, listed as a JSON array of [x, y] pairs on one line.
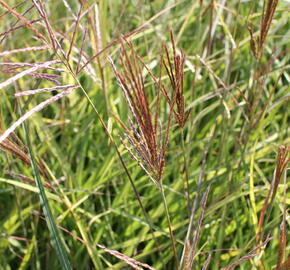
[[144, 135]]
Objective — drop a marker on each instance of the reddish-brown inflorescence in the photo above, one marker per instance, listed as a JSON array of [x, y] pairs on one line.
[[146, 142], [175, 73]]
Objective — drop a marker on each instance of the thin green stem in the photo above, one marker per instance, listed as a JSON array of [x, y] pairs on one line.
[[186, 170], [169, 226]]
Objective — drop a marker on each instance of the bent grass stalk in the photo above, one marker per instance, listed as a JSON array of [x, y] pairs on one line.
[[37, 108], [26, 72], [130, 261], [23, 19]]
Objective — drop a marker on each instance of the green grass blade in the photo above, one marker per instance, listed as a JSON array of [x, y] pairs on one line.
[[55, 238]]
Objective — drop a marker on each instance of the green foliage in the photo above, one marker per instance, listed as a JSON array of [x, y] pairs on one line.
[[239, 117]]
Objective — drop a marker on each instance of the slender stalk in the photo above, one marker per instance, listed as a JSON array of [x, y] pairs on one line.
[[169, 225], [185, 161]]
